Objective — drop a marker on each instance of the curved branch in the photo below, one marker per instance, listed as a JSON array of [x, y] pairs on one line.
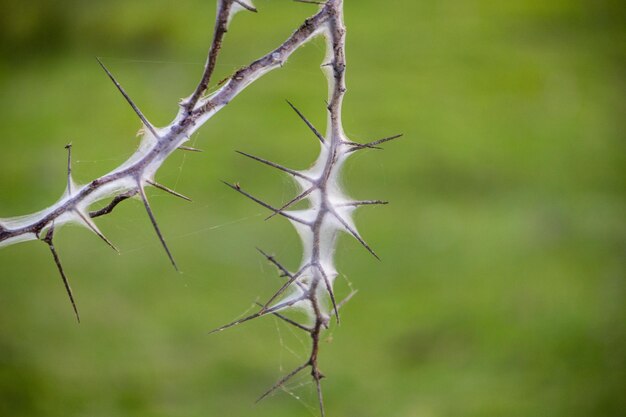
[[158, 144]]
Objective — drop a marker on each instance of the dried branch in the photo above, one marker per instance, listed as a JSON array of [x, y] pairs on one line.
[[329, 212], [158, 144]]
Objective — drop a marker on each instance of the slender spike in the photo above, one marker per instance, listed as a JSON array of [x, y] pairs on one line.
[[264, 204], [293, 201], [237, 322], [189, 149], [256, 315], [277, 166], [309, 124], [109, 208], [362, 203], [345, 300], [246, 6], [329, 288], [57, 261], [167, 190], [290, 321], [128, 99], [142, 193], [310, 1], [359, 146], [383, 140], [355, 234], [94, 228], [320, 396], [282, 381], [284, 287], [276, 263], [283, 270], [69, 168], [328, 170], [293, 322]]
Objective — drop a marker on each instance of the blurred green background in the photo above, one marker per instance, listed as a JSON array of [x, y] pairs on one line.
[[502, 286]]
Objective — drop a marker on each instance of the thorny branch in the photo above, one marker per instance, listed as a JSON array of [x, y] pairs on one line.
[[311, 287], [329, 212]]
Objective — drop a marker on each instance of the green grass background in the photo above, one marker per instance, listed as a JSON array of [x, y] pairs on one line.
[[502, 283]]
